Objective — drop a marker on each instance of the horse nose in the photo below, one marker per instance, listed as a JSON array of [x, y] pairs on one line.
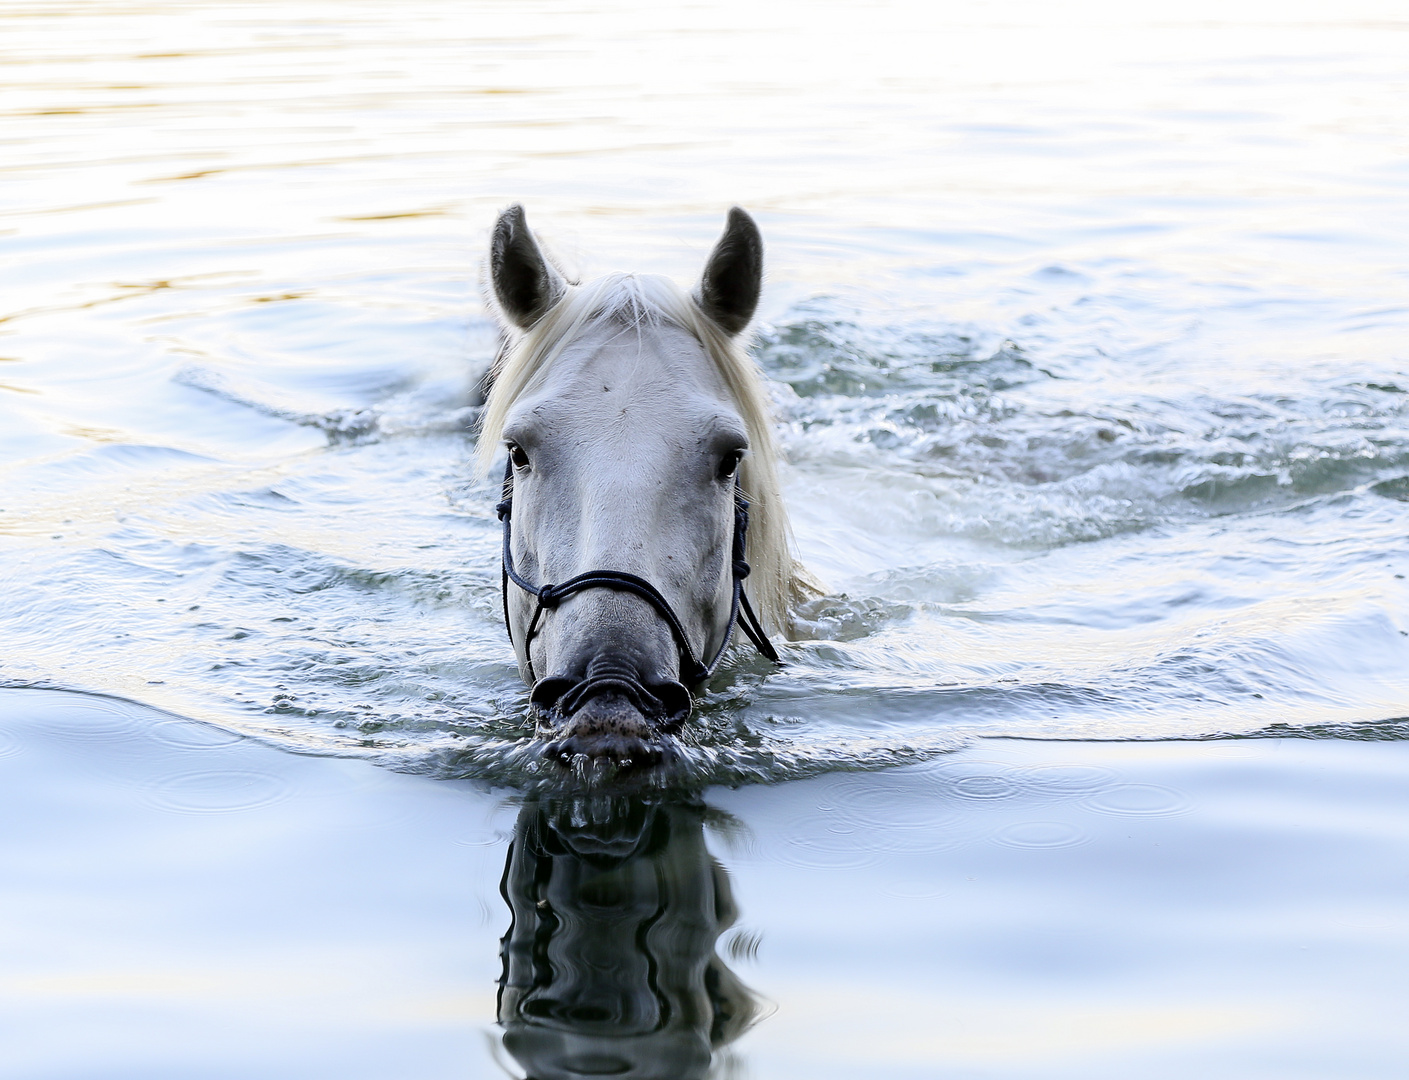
[[607, 727]]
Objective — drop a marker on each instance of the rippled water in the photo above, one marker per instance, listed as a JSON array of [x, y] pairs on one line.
[[1086, 326], [201, 905]]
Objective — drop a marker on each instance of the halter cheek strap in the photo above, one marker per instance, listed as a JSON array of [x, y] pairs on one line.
[[692, 670]]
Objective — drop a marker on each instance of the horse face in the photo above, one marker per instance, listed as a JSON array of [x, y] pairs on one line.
[[624, 460]]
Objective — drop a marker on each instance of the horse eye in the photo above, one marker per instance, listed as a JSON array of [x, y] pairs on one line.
[[730, 464], [517, 456]]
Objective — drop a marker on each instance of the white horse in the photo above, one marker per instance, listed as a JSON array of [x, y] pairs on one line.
[[641, 461]]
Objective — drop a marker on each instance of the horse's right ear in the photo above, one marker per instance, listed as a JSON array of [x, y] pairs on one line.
[[733, 277], [525, 283]]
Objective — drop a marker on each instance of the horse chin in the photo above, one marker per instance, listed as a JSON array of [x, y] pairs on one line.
[[613, 722]]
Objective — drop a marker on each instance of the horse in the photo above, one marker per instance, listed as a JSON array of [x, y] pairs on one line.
[[642, 517]]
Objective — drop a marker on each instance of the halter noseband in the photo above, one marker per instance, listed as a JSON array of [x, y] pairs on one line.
[[692, 670]]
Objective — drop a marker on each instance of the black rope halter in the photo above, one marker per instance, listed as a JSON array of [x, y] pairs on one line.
[[692, 670]]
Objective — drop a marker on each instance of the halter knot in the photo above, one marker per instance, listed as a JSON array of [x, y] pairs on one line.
[[550, 597], [504, 508]]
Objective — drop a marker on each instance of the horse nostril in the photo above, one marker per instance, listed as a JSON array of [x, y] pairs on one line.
[[661, 704], [546, 692], [675, 703]]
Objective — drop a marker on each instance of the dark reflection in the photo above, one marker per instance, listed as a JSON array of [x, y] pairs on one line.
[[609, 962]]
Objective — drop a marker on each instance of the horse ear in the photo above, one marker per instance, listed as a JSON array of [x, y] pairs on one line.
[[728, 291], [525, 283]]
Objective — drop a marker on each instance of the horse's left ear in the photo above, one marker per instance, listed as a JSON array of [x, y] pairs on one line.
[[728, 291]]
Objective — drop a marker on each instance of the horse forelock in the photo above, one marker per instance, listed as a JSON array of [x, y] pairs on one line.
[[635, 301]]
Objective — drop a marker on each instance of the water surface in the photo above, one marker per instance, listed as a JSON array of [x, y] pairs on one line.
[[181, 903], [1086, 330], [1085, 327]]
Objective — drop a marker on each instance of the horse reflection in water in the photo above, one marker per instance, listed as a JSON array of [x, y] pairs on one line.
[[609, 962]]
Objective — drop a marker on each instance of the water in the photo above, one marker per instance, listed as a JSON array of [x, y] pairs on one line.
[[1086, 329], [1087, 333], [184, 904]]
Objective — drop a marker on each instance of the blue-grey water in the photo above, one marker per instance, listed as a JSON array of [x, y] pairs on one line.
[[184, 904], [1086, 328]]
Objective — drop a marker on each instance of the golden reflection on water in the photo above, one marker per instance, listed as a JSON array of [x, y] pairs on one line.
[[890, 112]]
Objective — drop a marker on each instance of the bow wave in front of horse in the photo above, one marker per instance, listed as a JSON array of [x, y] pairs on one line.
[[642, 516]]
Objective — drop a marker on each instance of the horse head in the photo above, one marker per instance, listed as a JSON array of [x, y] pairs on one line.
[[637, 435]]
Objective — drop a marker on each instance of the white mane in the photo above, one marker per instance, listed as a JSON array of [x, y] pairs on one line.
[[776, 579]]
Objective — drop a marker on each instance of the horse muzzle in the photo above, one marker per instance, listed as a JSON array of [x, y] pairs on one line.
[[610, 718]]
